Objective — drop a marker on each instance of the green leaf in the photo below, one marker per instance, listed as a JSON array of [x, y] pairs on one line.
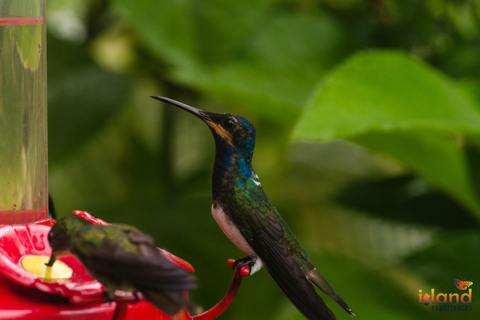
[[384, 91], [392, 103], [471, 87]]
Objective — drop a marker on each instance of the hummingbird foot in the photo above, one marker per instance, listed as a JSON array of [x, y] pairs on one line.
[[241, 261], [247, 266]]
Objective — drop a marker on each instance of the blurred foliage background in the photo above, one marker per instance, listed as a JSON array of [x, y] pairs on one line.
[[368, 123]]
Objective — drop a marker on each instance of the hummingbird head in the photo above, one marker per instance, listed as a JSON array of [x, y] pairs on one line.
[[60, 236], [234, 135]]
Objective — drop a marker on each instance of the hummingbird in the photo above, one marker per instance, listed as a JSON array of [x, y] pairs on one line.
[[247, 217], [121, 257]]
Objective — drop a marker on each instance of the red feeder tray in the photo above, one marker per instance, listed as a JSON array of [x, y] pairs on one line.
[[25, 296]]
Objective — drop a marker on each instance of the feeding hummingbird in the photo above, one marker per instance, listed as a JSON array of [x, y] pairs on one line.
[[121, 257], [247, 217]]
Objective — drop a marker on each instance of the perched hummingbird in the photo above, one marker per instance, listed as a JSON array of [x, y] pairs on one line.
[[246, 216], [121, 257]]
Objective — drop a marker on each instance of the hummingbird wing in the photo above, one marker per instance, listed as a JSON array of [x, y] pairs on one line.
[[126, 255], [265, 231]]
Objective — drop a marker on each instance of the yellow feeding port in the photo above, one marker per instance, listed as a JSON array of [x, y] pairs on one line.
[[36, 264]]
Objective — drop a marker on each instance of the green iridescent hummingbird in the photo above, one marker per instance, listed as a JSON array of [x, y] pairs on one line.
[[121, 257], [246, 216]]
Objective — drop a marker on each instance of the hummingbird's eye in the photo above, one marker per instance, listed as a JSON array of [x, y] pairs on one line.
[[228, 124]]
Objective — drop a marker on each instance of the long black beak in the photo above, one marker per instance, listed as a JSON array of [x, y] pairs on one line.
[[196, 112], [51, 261]]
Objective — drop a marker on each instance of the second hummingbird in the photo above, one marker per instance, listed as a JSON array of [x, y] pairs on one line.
[[121, 257], [246, 216]]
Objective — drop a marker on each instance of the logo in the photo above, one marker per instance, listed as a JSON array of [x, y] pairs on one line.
[[454, 301], [462, 285]]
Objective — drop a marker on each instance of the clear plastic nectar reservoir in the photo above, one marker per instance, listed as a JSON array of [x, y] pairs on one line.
[[23, 112]]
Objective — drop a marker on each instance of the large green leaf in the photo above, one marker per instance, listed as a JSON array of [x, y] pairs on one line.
[[471, 87], [384, 91], [395, 104]]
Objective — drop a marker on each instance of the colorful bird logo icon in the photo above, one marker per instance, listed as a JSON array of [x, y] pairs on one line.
[[461, 284]]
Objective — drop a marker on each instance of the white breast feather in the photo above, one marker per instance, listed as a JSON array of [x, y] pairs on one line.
[[231, 231]]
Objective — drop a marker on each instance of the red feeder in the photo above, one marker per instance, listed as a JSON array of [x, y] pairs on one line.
[[24, 220], [26, 296]]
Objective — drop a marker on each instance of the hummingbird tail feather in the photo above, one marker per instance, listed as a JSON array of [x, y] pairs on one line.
[[315, 278], [303, 295], [290, 277]]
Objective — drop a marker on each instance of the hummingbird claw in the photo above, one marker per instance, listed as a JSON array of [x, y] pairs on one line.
[[240, 261]]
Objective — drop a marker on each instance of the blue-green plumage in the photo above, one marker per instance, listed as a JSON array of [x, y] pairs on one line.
[[247, 217], [121, 257]]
